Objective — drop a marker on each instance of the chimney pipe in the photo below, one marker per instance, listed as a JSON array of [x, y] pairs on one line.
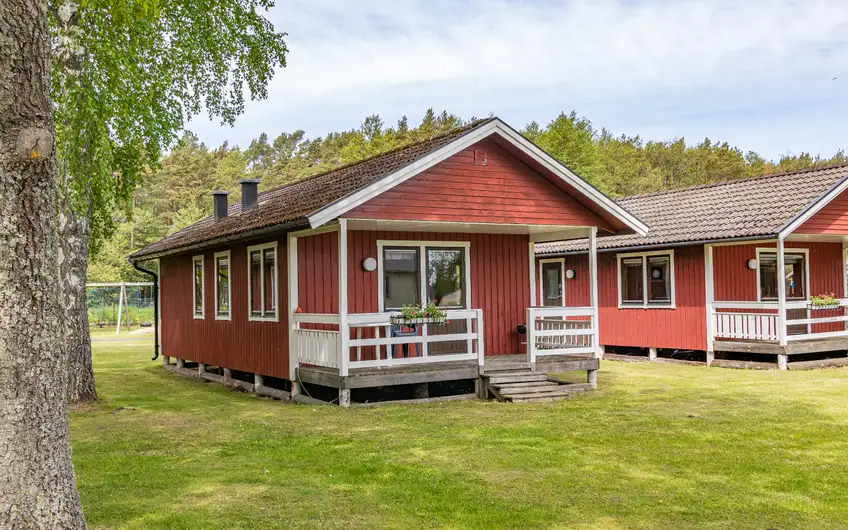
[[219, 197], [249, 193]]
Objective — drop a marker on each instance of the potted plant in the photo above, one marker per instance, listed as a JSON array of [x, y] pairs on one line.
[[823, 302], [423, 314]]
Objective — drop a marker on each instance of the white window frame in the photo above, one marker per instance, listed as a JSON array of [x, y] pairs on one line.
[[262, 318], [561, 262], [228, 315], [422, 265], [645, 284], [790, 250], [202, 314]]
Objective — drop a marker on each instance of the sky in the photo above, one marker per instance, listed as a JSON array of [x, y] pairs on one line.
[[765, 75]]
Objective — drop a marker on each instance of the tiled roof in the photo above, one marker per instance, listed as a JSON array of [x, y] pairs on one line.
[[289, 206], [758, 206]]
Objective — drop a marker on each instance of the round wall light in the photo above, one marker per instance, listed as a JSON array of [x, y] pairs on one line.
[[569, 274], [369, 264], [753, 264]]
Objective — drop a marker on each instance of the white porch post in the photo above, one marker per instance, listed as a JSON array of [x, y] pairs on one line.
[[532, 255], [781, 293], [593, 294], [344, 332], [292, 273], [710, 299]]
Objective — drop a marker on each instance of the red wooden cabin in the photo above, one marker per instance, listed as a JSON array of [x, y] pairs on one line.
[[705, 277], [302, 284]]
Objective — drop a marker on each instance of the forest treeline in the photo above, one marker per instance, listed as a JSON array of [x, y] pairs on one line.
[[175, 194]]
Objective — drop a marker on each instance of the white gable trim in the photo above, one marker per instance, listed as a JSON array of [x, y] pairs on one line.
[[814, 207], [345, 204]]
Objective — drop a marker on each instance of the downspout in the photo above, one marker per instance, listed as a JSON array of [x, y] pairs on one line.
[[155, 276]]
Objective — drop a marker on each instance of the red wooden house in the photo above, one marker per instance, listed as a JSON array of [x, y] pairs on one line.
[[304, 283], [706, 276]]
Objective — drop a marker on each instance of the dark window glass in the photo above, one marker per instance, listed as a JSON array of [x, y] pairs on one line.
[[198, 287], [446, 277], [552, 284], [222, 268], [632, 278], [658, 277], [795, 268], [255, 282], [270, 266], [400, 277]]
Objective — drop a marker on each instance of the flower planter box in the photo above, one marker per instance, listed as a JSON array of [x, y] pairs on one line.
[[401, 321], [829, 307]]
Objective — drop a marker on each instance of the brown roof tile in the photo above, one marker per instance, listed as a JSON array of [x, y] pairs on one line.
[[752, 207], [289, 206]]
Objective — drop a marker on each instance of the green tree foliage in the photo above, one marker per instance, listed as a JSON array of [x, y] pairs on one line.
[[176, 192]]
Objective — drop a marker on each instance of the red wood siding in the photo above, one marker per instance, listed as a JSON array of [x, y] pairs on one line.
[[318, 271], [259, 347], [504, 190], [576, 289], [832, 219], [499, 279], [681, 328]]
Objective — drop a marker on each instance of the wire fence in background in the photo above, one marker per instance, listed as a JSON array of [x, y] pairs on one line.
[[120, 304]]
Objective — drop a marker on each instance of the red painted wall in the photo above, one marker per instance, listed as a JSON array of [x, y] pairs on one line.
[[259, 347], [680, 328], [504, 190], [832, 219]]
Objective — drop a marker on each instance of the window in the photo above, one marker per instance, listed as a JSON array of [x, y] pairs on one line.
[[795, 267], [445, 281], [262, 282], [197, 295], [445, 273], [550, 272], [646, 279], [222, 285]]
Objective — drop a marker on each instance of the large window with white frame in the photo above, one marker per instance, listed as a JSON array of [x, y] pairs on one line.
[[198, 288], [646, 279], [796, 267], [262, 282], [222, 285], [412, 272]]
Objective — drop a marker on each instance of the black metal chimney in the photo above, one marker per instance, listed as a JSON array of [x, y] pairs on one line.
[[249, 193], [219, 198]]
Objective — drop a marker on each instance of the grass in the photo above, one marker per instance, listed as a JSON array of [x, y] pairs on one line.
[[658, 446]]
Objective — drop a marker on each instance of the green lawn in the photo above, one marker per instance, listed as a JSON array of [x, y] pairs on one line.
[[658, 446]]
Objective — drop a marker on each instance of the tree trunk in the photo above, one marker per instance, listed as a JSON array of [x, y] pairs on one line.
[[73, 269], [37, 485]]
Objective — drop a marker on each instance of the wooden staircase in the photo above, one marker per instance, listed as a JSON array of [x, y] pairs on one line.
[[516, 382]]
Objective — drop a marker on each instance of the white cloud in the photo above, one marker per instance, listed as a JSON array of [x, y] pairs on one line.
[[717, 68]]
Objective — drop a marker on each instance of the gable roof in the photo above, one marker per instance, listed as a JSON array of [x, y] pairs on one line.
[[319, 199], [745, 208]]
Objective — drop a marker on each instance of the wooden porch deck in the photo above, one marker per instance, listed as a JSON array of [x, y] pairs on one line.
[[440, 371], [798, 347]]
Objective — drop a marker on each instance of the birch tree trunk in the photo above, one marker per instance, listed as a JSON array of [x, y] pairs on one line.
[[37, 485], [73, 269]]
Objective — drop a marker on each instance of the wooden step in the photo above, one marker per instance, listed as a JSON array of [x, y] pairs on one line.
[[507, 386], [521, 377], [509, 390], [505, 367], [558, 393]]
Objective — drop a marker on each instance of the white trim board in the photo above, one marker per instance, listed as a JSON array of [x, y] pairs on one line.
[[229, 314], [787, 250], [646, 304], [494, 127]]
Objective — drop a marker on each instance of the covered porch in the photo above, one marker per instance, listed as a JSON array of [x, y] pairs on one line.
[[782, 322], [486, 304]]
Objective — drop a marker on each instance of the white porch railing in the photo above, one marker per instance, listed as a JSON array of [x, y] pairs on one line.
[[369, 335], [760, 321], [560, 330]]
